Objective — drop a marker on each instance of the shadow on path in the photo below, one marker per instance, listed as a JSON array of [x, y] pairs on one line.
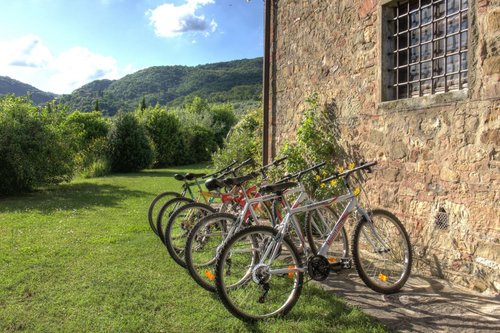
[[425, 304]]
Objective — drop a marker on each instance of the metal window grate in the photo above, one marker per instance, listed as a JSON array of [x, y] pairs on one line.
[[429, 46]]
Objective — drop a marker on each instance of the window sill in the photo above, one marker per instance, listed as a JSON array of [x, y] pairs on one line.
[[424, 102]]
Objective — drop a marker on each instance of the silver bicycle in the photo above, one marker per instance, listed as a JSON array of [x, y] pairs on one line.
[[259, 272]]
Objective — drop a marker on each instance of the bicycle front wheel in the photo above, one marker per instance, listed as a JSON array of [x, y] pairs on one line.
[[203, 245], [180, 224], [166, 211], [381, 252], [156, 205], [258, 275]]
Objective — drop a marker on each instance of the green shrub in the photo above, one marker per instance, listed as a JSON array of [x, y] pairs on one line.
[[164, 129], [91, 146], [223, 119], [129, 148], [316, 142], [36, 146], [244, 141], [198, 144], [92, 124]]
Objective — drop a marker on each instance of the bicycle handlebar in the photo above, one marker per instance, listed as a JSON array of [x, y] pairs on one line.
[[299, 174], [233, 171], [273, 163], [221, 170], [363, 166]]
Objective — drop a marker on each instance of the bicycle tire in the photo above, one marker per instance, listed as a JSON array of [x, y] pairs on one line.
[[202, 248], [317, 230], [203, 273], [373, 253], [166, 211], [256, 279], [178, 226], [151, 215]]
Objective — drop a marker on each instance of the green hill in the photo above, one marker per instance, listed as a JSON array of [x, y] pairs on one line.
[[238, 81], [11, 86]]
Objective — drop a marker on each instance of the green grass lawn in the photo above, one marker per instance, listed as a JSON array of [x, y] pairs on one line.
[[81, 257]]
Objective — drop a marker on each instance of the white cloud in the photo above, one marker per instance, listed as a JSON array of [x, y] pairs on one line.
[[170, 20], [27, 51], [78, 66], [29, 60]]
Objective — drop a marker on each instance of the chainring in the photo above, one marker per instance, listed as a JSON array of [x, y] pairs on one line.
[[318, 268]]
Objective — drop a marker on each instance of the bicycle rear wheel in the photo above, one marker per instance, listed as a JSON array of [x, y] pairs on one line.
[[202, 246], [319, 223], [180, 224], [381, 252], [252, 284], [153, 209]]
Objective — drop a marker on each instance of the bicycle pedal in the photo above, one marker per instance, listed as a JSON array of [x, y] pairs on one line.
[[346, 263]]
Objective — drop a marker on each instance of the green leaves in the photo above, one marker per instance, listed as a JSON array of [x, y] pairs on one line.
[[36, 145]]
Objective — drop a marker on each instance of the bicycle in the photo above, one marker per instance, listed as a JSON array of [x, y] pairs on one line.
[[206, 238], [266, 269], [186, 190], [183, 219], [208, 197]]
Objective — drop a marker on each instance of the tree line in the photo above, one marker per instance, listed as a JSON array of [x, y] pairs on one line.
[[40, 146]]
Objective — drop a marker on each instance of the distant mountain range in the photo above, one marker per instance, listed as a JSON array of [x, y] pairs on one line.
[[11, 86], [233, 81]]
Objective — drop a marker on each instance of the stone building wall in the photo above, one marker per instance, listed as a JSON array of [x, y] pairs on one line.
[[439, 155]]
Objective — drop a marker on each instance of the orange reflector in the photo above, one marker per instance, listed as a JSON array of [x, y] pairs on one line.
[[332, 260], [209, 275], [291, 274], [382, 277]]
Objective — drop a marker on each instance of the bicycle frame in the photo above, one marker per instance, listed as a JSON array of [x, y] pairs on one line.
[[351, 206]]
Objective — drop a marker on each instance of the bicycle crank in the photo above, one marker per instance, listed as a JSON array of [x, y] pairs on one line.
[[318, 267]]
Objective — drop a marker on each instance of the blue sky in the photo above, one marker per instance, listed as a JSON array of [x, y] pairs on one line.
[[60, 45]]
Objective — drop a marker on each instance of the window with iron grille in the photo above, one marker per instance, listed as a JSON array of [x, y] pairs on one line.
[[427, 44]]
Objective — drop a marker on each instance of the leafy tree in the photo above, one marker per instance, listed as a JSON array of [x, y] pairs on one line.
[[143, 105], [199, 143], [243, 142], [197, 106], [129, 147], [92, 124], [223, 119], [96, 106], [91, 155], [36, 146], [164, 129]]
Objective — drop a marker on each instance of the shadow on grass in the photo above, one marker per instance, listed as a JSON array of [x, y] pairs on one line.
[[330, 311], [69, 197], [316, 305], [198, 168]]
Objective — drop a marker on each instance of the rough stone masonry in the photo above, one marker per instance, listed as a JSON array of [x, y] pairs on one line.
[[439, 154]]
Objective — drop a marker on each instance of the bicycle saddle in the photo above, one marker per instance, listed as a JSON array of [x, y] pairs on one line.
[[191, 176], [239, 180], [179, 177], [214, 184], [276, 188]]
